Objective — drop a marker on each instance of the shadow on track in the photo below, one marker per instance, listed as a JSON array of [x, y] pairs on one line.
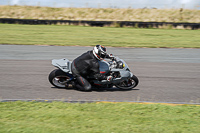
[[99, 89]]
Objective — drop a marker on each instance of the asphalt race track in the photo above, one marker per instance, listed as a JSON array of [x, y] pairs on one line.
[[166, 75]]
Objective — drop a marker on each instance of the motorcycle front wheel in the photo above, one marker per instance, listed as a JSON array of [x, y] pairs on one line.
[[58, 78], [128, 84]]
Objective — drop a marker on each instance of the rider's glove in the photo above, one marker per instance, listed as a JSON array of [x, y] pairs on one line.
[[109, 78], [111, 56]]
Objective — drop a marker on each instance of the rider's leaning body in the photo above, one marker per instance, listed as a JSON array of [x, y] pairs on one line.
[[88, 64]]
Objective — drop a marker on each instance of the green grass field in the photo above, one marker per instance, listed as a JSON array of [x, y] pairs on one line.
[[90, 36], [60, 117]]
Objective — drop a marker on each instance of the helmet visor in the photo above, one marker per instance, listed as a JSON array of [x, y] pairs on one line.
[[103, 55]]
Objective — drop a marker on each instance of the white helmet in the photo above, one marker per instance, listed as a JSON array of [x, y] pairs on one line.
[[99, 52]]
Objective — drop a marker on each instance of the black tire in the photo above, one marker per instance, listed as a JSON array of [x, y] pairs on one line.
[[57, 78], [124, 85]]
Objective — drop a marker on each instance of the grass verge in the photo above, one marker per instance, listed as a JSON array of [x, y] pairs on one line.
[[59, 117], [90, 36]]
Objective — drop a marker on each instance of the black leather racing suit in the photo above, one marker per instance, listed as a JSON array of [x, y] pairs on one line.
[[86, 64]]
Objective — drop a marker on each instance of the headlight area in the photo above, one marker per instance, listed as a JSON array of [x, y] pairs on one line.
[[120, 65]]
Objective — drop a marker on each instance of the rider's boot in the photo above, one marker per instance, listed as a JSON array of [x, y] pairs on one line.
[[73, 84]]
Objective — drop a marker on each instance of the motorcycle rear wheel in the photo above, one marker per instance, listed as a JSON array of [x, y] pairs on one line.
[[58, 78], [127, 85]]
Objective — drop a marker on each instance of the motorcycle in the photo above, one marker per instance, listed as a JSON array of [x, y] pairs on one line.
[[123, 78]]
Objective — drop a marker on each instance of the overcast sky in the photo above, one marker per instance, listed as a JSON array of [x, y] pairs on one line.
[[190, 4]]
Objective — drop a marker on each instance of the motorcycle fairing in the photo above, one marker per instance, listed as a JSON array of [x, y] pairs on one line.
[[65, 65]]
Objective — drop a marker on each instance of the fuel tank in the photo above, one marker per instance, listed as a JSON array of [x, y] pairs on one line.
[[104, 67]]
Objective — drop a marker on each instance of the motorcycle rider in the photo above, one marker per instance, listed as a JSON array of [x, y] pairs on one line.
[[87, 64]]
